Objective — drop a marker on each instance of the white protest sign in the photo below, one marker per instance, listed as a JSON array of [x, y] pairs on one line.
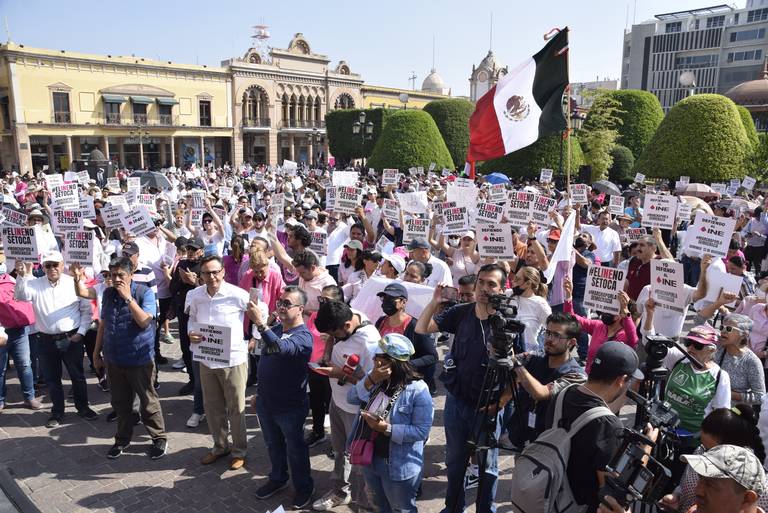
[[709, 235], [63, 221], [748, 183], [330, 199], [415, 227], [196, 217], [78, 248], [616, 205], [83, 177], [65, 195], [667, 285], [659, 211], [718, 281], [225, 192], [390, 177], [13, 217], [147, 201], [138, 221], [489, 213], [546, 175], [455, 221], [731, 190], [519, 207], [445, 172], [719, 188], [344, 178], [634, 234], [735, 183], [20, 243], [463, 196], [111, 214], [347, 199], [70, 176], [86, 207], [603, 287], [113, 184], [464, 182], [198, 199], [683, 212], [685, 180], [542, 206], [579, 193], [215, 345], [497, 193], [390, 210], [319, 242], [385, 246], [289, 165], [413, 202], [278, 204], [432, 166], [369, 303], [52, 181], [639, 178], [134, 184], [131, 196], [495, 241]]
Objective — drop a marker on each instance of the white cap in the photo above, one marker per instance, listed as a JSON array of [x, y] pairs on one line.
[[52, 256], [396, 261]]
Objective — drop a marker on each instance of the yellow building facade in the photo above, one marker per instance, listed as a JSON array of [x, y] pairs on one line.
[[56, 106]]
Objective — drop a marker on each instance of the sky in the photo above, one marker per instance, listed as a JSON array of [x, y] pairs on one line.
[[382, 41]]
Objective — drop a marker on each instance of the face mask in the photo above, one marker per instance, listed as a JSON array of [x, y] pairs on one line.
[[454, 243], [516, 291], [388, 306], [3, 268], [607, 318]]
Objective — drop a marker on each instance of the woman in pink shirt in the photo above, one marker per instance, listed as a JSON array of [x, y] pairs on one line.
[[620, 327], [261, 276]]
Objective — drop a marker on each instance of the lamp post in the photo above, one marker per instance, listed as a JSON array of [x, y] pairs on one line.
[[365, 130], [316, 138], [140, 133]]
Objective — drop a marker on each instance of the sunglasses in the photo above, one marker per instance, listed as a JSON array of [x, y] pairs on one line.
[[730, 329], [51, 265], [284, 303], [552, 241], [207, 221], [698, 346]]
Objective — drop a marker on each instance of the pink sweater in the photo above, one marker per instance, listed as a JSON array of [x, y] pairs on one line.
[[599, 332]]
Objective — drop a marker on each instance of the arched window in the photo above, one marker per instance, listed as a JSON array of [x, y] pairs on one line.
[[344, 101], [256, 107], [318, 111]]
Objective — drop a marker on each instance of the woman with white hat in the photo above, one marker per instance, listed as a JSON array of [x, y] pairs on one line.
[[463, 259]]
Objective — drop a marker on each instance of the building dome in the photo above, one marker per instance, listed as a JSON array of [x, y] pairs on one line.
[[490, 62], [752, 94], [434, 83]]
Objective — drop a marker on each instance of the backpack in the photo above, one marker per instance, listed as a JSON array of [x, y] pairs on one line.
[[539, 480], [13, 313]]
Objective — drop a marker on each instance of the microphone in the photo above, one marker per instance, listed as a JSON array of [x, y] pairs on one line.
[[351, 364]]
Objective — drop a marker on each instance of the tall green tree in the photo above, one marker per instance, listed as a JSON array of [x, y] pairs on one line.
[[640, 113], [600, 132], [529, 161], [451, 116], [410, 139], [343, 144]]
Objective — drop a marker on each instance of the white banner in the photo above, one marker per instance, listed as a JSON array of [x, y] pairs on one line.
[[603, 287], [659, 211], [344, 178], [710, 235], [455, 221], [65, 196], [347, 199], [63, 221], [413, 202], [541, 208], [319, 243], [138, 221], [495, 241], [579, 193], [667, 285], [390, 177], [546, 175], [13, 217]]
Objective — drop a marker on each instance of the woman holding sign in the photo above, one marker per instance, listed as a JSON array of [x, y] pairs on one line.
[[462, 260]]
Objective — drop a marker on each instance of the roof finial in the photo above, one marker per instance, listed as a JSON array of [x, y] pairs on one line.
[[490, 39]]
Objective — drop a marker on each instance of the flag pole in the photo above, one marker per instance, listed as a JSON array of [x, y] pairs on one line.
[[568, 120]]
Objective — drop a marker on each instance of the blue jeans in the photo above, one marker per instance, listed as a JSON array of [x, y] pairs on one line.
[[17, 348], [390, 496], [284, 437], [52, 355], [457, 419]]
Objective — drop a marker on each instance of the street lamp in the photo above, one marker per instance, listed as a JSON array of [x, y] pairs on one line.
[[315, 137], [365, 130], [140, 133]]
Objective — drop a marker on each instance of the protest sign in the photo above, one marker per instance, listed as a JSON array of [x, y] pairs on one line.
[[685, 180], [319, 242], [278, 204], [390, 177], [20, 243], [330, 199], [134, 184], [198, 199], [748, 183], [113, 184], [147, 201], [455, 221], [546, 175], [495, 241], [344, 178], [413, 202], [463, 196], [369, 303], [225, 192], [78, 248], [52, 181], [542, 206], [445, 172], [83, 178], [464, 182], [579, 193], [603, 287], [390, 210], [497, 193], [63, 221], [86, 207], [659, 211], [415, 227], [131, 197], [683, 212], [196, 217], [719, 188], [634, 234], [616, 205], [735, 183], [70, 176], [111, 214], [347, 199], [667, 285], [519, 207], [710, 235], [639, 178], [138, 221], [489, 213], [718, 281], [432, 166], [215, 345], [385, 246], [13, 217], [731, 190], [65, 196]]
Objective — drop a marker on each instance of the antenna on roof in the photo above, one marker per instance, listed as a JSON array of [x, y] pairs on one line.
[[7, 30], [490, 37], [433, 52]]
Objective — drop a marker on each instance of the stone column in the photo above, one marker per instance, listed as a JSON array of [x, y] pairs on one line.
[[202, 152], [272, 148], [121, 151], [141, 152], [68, 139], [76, 148], [291, 147], [173, 151], [105, 146], [310, 150], [51, 157], [162, 151]]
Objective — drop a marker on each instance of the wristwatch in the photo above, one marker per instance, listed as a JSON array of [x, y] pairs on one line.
[[129, 301]]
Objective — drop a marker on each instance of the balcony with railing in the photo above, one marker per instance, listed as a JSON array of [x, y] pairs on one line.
[[302, 123], [112, 118], [257, 122], [139, 119], [165, 119], [62, 117]]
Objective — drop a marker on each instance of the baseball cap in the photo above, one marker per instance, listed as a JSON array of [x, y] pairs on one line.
[[180, 242], [394, 290], [704, 334], [130, 249], [554, 234], [354, 244], [397, 261], [52, 256], [468, 233], [730, 462], [311, 214], [195, 242], [615, 359], [248, 212], [418, 243], [396, 346]]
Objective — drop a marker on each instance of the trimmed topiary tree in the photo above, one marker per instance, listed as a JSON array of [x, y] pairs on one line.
[[623, 163], [529, 161], [343, 144], [749, 126], [702, 137], [452, 119], [640, 113], [410, 138]]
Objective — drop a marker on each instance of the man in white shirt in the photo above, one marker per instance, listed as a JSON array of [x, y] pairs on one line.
[[222, 377], [606, 239], [61, 321], [420, 251]]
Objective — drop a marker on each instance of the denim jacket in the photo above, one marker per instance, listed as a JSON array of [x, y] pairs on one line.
[[411, 419]]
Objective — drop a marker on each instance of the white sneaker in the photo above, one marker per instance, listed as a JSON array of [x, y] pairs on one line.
[[178, 365], [330, 500], [195, 420]]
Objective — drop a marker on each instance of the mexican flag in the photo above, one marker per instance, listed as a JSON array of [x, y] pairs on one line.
[[527, 103]]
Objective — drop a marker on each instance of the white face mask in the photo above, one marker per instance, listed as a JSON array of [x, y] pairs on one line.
[[454, 243]]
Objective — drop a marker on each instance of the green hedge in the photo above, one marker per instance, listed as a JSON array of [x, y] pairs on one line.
[[703, 137], [343, 144], [452, 119], [528, 162], [749, 126], [410, 138], [623, 164], [640, 113]]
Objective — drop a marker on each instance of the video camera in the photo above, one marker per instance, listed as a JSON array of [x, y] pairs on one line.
[[506, 331]]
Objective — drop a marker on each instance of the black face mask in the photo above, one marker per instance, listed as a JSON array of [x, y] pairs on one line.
[[607, 318], [388, 306], [516, 291]]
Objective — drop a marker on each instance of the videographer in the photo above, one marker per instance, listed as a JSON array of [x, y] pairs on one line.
[[469, 323]]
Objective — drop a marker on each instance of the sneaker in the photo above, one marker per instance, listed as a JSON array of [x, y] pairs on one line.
[[2, 406], [161, 360], [88, 414], [472, 477], [116, 451], [53, 422], [195, 419], [314, 439], [32, 404], [103, 385], [158, 449], [302, 499], [178, 365], [167, 338], [187, 389], [112, 416], [156, 385], [269, 489], [330, 500]]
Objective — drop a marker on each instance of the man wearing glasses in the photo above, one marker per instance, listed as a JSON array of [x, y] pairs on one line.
[[281, 402], [61, 320], [223, 305]]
